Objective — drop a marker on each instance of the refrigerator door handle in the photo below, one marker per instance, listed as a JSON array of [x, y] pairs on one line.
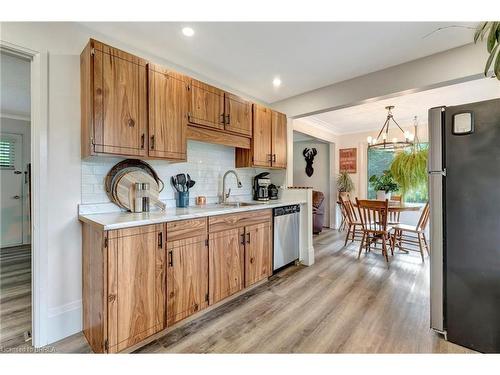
[[442, 173]]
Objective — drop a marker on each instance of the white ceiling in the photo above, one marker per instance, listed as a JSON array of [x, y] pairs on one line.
[[14, 86], [306, 56], [371, 116]]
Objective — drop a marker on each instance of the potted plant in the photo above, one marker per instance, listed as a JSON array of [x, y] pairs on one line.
[[409, 169], [384, 185], [344, 183], [491, 32]]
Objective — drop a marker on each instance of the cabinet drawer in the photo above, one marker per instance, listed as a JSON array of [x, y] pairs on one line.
[[177, 230], [230, 221]]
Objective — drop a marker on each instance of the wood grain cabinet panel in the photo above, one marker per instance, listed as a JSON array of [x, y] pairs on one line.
[[168, 107], [258, 253], [226, 263], [187, 277], [119, 102], [136, 285], [269, 142], [261, 141], [238, 115], [206, 105], [279, 140]]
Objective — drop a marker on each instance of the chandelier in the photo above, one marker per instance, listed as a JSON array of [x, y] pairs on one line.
[[382, 143]]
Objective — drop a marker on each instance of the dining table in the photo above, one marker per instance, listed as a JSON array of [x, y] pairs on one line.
[[400, 207]]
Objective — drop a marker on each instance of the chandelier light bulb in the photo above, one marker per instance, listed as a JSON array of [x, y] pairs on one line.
[[394, 140], [411, 137], [384, 136], [369, 139]]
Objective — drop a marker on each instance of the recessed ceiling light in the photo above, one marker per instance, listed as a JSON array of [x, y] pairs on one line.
[[187, 31], [277, 82]]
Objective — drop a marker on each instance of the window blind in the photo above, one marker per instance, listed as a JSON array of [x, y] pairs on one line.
[[7, 153]]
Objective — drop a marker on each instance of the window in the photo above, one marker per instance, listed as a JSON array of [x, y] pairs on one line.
[[378, 162], [7, 153]]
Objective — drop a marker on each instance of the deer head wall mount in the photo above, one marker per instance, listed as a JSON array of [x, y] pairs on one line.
[[309, 154]]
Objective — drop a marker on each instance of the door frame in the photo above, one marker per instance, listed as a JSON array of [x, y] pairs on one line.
[[23, 189], [39, 187]]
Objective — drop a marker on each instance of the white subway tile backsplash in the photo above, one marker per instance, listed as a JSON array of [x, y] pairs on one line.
[[206, 164]]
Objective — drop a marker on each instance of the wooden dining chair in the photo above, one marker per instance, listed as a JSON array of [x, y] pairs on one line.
[[394, 216], [354, 227], [373, 215], [408, 237], [343, 220]]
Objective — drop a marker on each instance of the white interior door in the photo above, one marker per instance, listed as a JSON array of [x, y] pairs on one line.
[[11, 179]]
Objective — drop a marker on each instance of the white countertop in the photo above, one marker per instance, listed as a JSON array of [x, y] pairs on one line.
[[119, 220]]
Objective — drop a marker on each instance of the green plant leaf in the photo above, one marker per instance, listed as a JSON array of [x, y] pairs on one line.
[[492, 36], [496, 69], [479, 31], [490, 60]]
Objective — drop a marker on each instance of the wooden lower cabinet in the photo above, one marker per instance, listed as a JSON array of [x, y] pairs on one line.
[[187, 278], [226, 263], [258, 253], [138, 281], [123, 286], [136, 285]]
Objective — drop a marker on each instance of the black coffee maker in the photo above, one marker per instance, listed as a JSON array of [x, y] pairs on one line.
[[261, 187]]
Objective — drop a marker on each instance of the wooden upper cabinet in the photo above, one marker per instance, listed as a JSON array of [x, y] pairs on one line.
[[136, 285], [237, 115], [114, 101], [258, 253], [269, 142], [187, 269], [279, 140], [226, 263], [168, 107], [261, 141], [206, 105]]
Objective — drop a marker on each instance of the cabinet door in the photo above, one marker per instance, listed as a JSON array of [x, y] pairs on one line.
[[168, 102], [120, 102], [258, 252], [226, 263], [279, 140], [238, 114], [261, 141], [187, 277], [136, 285], [206, 105]]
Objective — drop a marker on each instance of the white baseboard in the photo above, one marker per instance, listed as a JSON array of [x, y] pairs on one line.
[[64, 321]]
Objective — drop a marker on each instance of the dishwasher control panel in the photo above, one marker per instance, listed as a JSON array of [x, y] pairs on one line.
[[286, 210]]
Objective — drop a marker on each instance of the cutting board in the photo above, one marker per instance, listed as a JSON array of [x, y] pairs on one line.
[[124, 188]]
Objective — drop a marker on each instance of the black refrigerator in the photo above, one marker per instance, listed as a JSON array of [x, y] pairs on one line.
[[464, 194]]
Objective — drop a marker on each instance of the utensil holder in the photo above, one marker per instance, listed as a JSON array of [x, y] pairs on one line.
[[182, 199]]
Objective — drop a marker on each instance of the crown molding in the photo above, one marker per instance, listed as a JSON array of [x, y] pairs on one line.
[[320, 124]]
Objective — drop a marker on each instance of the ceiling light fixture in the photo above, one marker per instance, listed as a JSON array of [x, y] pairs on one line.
[[381, 141], [277, 82], [187, 31]]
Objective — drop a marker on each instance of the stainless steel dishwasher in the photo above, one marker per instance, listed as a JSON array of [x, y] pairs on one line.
[[286, 235]]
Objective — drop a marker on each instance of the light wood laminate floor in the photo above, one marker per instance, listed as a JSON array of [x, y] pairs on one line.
[[15, 295], [339, 305]]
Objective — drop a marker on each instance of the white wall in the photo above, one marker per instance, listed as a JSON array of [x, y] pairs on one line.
[[63, 42], [320, 180], [16, 126]]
